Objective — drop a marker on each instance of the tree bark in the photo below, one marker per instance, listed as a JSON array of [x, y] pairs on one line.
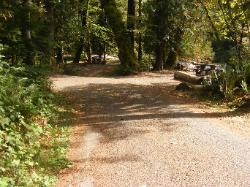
[[140, 35], [131, 21], [29, 58], [59, 55], [159, 57], [78, 54], [104, 54], [171, 59], [82, 43], [173, 54], [50, 52], [126, 53], [88, 50]]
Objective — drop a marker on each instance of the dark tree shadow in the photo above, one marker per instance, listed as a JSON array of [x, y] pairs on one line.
[[105, 108]]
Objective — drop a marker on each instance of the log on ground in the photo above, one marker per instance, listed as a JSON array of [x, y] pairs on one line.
[[187, 77]]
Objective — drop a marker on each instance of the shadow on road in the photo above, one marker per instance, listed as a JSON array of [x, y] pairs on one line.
[[114, 109]]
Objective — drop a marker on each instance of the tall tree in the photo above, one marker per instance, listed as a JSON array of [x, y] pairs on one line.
[[84, 41], [131, 21], [49, 56], [214, 29], [26, 33], [230, 23], [157, 13], [140, 34], [126, 53], [59, 55], [166, 22], [175, 49]]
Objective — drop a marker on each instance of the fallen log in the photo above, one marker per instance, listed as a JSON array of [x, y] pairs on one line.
[[187, 77], [184, 86], [197, 88]]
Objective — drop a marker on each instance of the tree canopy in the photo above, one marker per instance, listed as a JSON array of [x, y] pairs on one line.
[[35, 32]]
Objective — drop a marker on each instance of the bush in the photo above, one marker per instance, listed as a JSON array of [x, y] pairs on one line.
[[27, 107], [72, 69], [226, 84], [122, 71], [146, 64]]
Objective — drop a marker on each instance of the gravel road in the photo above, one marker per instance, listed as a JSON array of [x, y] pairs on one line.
[[134, 132]]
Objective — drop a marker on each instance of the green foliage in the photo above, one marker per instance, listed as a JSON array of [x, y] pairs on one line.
[[72, 69], [244, 86], [121, 70], [146, 64], [165, 23], [196, 45], [227, 84], [27, 110], [100, 33], [125, 50], [214, 30], [229, 22]]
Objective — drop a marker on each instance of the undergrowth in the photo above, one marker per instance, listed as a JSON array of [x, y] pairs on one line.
[[32, 142]]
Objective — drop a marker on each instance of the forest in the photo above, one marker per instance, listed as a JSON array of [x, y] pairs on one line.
[[41, 38]]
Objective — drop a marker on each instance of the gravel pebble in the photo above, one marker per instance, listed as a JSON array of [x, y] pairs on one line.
[[131, 132]]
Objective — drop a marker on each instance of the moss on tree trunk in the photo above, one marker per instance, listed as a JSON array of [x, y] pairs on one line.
[[126, 52]]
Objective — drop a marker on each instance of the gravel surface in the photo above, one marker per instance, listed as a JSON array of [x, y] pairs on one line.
[[133, 132]]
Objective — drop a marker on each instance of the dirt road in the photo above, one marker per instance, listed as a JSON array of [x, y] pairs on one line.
[[133, 132]]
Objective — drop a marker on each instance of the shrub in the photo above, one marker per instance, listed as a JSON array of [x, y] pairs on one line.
[[146, 64], [27, 108], [226, 84], [122, 71]]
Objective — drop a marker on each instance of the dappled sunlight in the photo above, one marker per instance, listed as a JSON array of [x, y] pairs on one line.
[[71, 82], [122, 111], [133, 122]]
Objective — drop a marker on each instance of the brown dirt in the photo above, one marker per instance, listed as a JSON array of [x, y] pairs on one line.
[[136, 131]]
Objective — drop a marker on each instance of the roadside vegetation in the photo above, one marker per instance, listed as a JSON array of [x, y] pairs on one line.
[[32, 142]]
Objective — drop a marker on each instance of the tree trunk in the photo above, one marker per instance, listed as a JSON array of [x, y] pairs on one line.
[[59, 55], [131, 21], [29, 58], [82, 43], [187, 77], [87, 39], [88, 50], [13, 60], [78, 52], [104, 54], [126, 52], [49, 52], [173, 54], [172, 59], [140, 35], [159, 57]]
